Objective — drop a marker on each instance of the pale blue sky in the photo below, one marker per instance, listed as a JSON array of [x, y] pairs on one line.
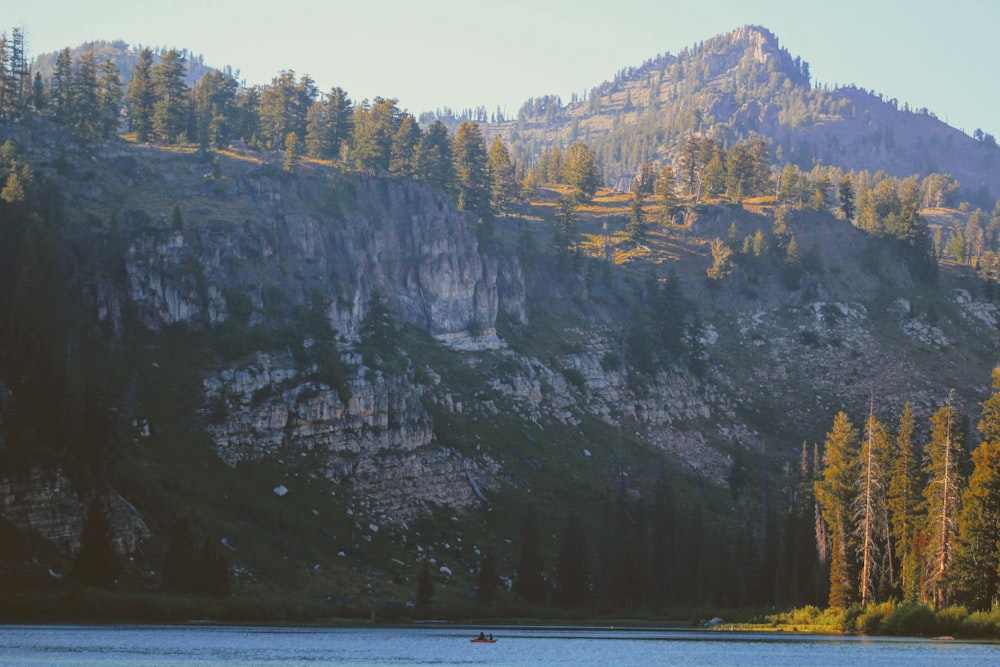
[[939, 54]]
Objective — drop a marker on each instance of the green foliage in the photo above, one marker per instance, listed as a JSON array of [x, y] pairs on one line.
[[472, 175], [911, 619], [982, 624], [503, 180], [943, 463], [433, 160], [835, 494], [293, 153], [722, 260], [903, 501], [563, 225], [636, 225], [328, 125], [792, 268], [976, 553], [371, 140], [170, 93], [582, 172], [380, 337], [666, 189]]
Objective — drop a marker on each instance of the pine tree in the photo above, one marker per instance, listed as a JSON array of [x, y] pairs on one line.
[[402, 160], [975, 568], [582, 172], [170, 107], [563, 224], [942, 465], [689, 167], [283, 109], [377, 330], [293, 153], [739, 172], [714, 181], [903, 502], [869, 507], [338, 128], [140, 97], [503, 181], [62, 87], [801, 544], [472, 176], [722, 260], [215, 111], [976, 564], [666, 189], [835, 492], [85, 109], [791, 274], [989, 426], [434, 164], [95, 562], [109, 94]]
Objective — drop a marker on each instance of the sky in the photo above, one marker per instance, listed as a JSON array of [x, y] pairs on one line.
[[431, 54]]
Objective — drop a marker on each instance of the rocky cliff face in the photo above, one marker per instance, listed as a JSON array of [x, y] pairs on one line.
[[48, 503], [380, 443], [299, 238], [382, 437]]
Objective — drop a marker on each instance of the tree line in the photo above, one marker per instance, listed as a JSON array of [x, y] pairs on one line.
[[895, 520]]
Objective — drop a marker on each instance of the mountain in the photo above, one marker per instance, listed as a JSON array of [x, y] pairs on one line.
[[744, 84], [337, 377]]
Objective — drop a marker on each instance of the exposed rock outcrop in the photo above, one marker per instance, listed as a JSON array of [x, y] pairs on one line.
[[380, 442], [47, 502], [400, 239]]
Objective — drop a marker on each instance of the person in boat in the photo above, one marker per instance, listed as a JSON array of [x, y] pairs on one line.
[[482, 637], [491, 636]]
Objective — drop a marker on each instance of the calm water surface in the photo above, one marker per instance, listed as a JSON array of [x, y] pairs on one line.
[[207, 646]]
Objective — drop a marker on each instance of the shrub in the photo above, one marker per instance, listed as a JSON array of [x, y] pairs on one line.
[[950, 619], [804, 616], [873, 616], [849, 623], [981, 624], [911, 619]]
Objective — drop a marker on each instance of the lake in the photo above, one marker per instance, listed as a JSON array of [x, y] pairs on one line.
[[207, 646]]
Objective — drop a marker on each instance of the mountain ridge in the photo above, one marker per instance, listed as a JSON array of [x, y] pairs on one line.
[[341, 375]]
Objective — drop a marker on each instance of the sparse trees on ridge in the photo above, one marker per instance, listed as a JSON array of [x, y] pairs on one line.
[[472, 177], [581, 171], [170, 105]]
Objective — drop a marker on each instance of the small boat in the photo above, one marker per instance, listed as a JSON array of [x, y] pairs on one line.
[[483, 640]]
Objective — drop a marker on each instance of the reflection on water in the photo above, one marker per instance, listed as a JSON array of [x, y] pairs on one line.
[[207, 646]]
